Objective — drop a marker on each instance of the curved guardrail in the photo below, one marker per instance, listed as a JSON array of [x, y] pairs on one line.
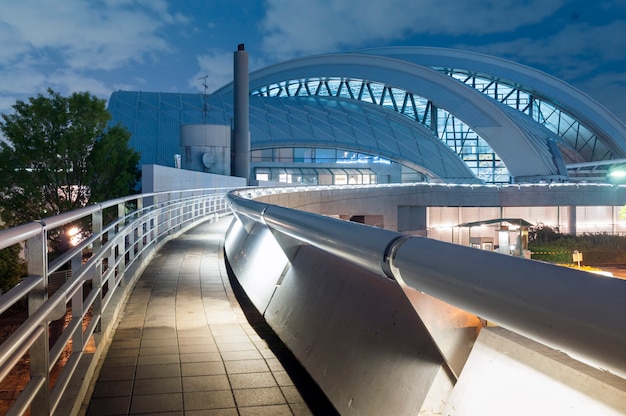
[[569, 310], [120, 237]]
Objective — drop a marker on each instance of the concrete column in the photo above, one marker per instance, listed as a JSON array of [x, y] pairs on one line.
[[241, 127], [571, 222]]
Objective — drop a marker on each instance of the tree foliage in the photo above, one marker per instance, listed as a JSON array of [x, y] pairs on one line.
[[12, 268], [61, 155]]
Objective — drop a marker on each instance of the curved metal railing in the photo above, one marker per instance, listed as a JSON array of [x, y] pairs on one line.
[[569, 310], [120, 237]]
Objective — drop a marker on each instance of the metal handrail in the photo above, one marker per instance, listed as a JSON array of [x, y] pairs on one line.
[[111, 257], [569, 310]]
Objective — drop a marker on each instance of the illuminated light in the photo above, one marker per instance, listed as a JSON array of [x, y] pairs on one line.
[[616, 174], [74, 235]]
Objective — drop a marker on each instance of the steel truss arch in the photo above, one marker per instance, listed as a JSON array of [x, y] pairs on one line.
[[587, 127], [525, 149]]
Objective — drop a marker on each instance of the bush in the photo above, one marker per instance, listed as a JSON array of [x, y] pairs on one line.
[[547, 244]]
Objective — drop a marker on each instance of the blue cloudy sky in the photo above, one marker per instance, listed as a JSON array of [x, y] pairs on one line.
[[167, 45]]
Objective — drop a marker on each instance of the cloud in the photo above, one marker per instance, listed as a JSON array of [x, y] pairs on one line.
[[79, 36], [84, 36], [609, 89], [295, 27], [588, 57], [72, 81], [573, 52], [217, 66]]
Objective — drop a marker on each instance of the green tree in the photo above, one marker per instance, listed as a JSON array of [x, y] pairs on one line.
[[60, 155], [12, 268]]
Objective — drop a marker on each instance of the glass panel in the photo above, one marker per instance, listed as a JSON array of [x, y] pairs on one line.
[[341, 179], [325, 155], [283, 155], [325, 178], [301, 154], [355, 179], [344, 156], [262, 155]]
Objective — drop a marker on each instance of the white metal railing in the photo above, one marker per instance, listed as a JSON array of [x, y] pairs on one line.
[[566, 309], [121, 236]]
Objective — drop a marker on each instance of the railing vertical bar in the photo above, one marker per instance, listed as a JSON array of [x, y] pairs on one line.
[[37, 256]]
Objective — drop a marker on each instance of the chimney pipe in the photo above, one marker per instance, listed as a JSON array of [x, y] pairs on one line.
[[241, 125]]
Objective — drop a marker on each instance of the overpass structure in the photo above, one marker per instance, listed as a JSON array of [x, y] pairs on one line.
[[384, 322]]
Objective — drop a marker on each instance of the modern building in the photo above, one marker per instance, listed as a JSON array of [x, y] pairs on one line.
[[387, 115], [405, 115]]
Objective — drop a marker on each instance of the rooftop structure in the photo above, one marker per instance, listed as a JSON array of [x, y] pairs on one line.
[[402, 114]]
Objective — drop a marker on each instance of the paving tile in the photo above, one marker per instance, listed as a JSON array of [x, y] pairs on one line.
[[292, 395], [131, 324], [108, 406], [158, 359], [159, 333], [246, 366], [185, 338], [274, 364], [116, 373], [200, 357], [156, 403], [125, 334], [241, 355], [205, 383], [158, 371], [219, 399], [282, 378], [159, 350], [275, 410], [262, 396], [198, 348], [167, 342], [252, 380], [206, 368], [120, 361], [116, 388], [157, 386], [213, 412], [123, 352], [300, 409], [236, 346]]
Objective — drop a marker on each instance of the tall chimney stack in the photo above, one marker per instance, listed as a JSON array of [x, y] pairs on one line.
[[241, 125]]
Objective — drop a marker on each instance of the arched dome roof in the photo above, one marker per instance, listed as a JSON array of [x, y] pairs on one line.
[[527, 149], [610, 131], [338, 123], [442, 112]]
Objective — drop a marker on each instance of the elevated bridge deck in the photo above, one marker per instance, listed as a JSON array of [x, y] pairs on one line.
[[184, 346]]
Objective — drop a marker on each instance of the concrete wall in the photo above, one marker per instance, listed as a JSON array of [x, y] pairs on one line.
[[156, 178], [354, 332], [376, 346], [386, 201], [509, 374]]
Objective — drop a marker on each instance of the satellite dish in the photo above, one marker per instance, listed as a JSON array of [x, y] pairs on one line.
[[208, 160]]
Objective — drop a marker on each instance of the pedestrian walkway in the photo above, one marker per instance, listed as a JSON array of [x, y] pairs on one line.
[[184, 347]]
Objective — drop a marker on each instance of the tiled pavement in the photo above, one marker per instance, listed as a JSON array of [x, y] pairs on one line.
[[184, 347]]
